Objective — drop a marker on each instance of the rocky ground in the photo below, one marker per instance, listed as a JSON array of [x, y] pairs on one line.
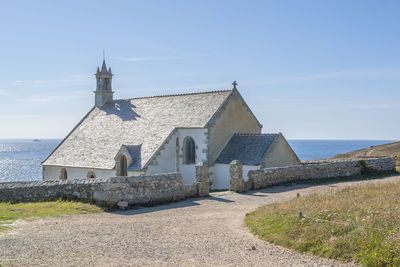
[[195, 232]]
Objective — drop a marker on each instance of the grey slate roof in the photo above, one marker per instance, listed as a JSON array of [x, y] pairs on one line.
[[249, 149], [135, 153], [146, 121]]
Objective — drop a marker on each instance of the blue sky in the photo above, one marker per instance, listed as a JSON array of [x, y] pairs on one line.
[[308, 69]]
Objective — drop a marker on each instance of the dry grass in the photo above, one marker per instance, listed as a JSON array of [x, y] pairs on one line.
[[386, 150], [12, 212], [358, 224]]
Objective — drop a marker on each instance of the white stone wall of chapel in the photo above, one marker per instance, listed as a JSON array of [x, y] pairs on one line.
[[171, 157], [73, 173]]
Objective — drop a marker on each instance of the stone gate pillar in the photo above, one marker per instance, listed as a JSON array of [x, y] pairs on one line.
[[203, 179], [236, 173]]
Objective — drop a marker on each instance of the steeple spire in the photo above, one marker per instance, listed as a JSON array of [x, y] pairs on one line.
[[103, 91], [104, 67]]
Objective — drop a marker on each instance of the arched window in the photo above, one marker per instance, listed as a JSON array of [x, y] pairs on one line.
[[122, 168], [106, 83], [63, 174], [190, 151], [91, 175]]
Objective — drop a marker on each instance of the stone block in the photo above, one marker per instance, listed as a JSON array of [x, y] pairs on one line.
[[123, 204], [236, 177], [203, 179]]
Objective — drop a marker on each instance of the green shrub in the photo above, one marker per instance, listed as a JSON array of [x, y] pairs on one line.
[[365, 170]]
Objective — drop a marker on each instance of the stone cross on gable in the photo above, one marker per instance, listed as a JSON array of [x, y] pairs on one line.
[[234, 84]]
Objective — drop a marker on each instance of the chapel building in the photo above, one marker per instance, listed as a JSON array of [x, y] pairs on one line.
[[165, 134]]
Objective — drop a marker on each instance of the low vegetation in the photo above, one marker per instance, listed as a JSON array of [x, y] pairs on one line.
[[358, 224], [12, 212], [365, 170], [386, 150]]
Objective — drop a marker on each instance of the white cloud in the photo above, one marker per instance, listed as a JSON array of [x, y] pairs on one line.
[[132, 59], [372, 107], [53, 98], [350, 104], [49, 125], [68, 81], [343, 74], [5, 93], [360, 73], [138, 59], [210, 86], [36, 99]]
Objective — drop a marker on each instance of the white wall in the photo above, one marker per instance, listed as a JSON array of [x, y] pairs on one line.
[[166, 160], [247, 168], [53, 173], [200, 138], [220, 175]]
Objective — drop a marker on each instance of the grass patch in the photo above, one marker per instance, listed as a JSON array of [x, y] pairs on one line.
[[12, 212], [357, 224]]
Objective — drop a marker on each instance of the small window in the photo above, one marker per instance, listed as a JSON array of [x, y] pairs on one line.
[[190, 151], [122, 168], [91, 175], [106, 83], [63, 174]]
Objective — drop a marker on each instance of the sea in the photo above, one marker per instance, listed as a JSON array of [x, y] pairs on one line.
[[20, 158]]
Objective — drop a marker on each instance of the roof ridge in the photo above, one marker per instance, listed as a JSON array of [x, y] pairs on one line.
[[255, 134], [184, 94]]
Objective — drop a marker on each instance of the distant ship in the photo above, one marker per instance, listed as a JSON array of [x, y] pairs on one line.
[[36, 140]]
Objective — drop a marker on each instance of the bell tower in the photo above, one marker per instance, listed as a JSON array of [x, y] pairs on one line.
[[103, 91]]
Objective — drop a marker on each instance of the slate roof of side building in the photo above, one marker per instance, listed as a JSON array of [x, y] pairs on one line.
[[138, 122], [249, 149]]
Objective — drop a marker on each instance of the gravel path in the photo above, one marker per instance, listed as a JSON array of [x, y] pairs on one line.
[[203, 231]]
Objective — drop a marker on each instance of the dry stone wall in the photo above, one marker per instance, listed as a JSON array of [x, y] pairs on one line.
[[345, 168], [237, 183], [135, 190], [141, 189], [48, 190], [203, 179]]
